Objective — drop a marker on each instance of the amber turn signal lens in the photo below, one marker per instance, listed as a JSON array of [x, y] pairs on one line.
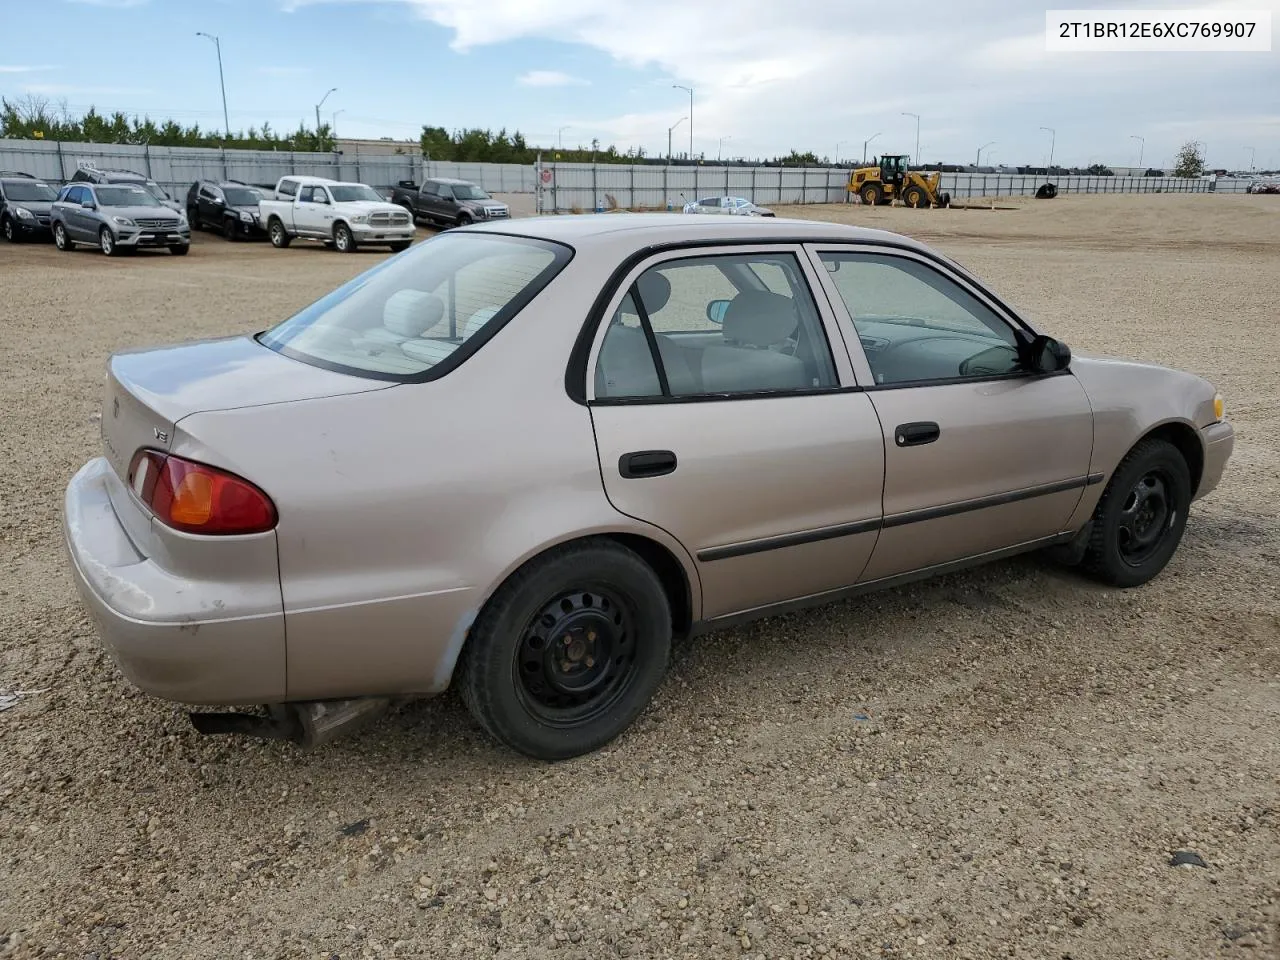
[[1219, 408]]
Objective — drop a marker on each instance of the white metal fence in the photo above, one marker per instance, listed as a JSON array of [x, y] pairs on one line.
[[564, 186]]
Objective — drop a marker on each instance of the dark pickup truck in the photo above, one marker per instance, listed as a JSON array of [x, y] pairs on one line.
[[448, 202]]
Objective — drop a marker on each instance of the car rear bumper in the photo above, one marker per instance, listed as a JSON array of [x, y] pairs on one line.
[[173, 637], [1219, 441]]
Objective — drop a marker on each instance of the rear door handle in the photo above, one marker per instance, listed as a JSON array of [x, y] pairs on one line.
[[916, 434], [646, 463]]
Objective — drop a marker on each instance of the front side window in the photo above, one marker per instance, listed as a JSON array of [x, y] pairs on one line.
[[126, 197], [917, 325], [721, 325], [709, 202], [242, 196], [411, 313], [469, 191]]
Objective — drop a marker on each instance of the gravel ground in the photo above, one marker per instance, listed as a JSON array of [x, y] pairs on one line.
[[994, 764]]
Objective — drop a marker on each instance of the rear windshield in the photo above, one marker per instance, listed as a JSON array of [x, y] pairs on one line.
[[413, 312], [347, 193], [19, 190], [126, 197]]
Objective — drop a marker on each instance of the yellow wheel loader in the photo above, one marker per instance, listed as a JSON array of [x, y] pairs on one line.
[[892, 180]]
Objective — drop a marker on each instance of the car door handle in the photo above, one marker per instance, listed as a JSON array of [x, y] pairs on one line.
[[915, 434], [646, 463]]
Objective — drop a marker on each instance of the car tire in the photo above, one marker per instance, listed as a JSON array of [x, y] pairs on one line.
[[61, 240], [180, 249], [193, 218], [343, 240], [278, 235], [1139, 520], [872, 194], [10, 234], [400, 245], [603, 609], [230, 229], [464, 220], [107, 242]]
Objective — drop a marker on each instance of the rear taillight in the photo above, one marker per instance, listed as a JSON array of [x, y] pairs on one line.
[[196, 498]]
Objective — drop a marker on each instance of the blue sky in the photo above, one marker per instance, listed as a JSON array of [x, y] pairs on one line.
[[812, 74]]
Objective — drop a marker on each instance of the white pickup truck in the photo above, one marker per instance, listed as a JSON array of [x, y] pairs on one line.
[[346, 215]]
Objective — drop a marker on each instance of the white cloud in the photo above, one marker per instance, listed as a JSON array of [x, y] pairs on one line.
[[115, 4], [814, 73], [550, 78], [12, 68], [63, 89]]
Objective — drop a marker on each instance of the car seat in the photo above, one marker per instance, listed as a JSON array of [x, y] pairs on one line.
[[755, 321]]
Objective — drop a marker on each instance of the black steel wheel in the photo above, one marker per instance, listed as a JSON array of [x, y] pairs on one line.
[[1140, 518], [569, 650]]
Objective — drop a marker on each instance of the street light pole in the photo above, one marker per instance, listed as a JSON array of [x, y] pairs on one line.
[[560, 137], [978, 161], [838, 146], [226, 123], [1053, 140], [864, 146], [1252, 155], [333, 124], [321, 104], [669, 130], [720, 149], [676, 86], [1142, 145], [917, 116]]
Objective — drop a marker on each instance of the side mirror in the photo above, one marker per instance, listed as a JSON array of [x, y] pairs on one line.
[[716, 310], [1047, 355], [88, 205], [219, 202]]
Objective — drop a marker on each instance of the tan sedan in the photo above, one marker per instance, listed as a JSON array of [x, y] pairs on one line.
[[521, 457]]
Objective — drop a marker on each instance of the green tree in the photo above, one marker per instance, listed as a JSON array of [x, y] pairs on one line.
[[1189, 161]]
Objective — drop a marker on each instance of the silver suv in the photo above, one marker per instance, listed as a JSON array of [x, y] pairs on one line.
[[116, 217]]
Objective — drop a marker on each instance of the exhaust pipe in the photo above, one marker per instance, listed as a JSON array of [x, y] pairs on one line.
[[308, 724]]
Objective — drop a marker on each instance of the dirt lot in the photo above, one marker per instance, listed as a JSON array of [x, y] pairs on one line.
[[995, 764]]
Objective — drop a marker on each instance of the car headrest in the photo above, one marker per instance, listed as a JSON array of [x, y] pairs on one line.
[[411, 313], [759, 318], [655, 291]]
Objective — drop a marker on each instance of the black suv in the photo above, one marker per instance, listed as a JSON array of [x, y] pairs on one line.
[[228, 206], [94, 175], [24, 206]]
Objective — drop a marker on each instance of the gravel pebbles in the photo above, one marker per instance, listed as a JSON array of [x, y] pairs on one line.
[[1000, 763]]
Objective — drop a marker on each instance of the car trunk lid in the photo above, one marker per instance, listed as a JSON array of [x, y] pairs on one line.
[[149, 391]]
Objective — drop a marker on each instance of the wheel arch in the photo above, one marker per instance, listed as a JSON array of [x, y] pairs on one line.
[[675, 576], [1186, 438]]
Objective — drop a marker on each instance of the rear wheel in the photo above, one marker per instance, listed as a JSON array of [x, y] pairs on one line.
[[872, 194], [60, 238], [1140, 518], [343, 241], [915, 197], [568, 652], [278, 234], [107, 242]]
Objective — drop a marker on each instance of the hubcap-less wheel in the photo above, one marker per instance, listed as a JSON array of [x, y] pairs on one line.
[[60, 237], [107, 241], [342, 240], [278, 236], [1145, 517], [576, 657]]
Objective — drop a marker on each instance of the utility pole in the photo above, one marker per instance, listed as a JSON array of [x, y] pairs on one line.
[[560, 137], [838, 146], [978, 161], [226, 123], [864, 147], [1142, 145], [917, 116], [720, 149], [321, 104], [1053, 140], [676, 86], [669, 130], [1252, 154]]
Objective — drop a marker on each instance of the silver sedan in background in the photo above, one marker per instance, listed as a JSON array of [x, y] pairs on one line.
[[734, 206]]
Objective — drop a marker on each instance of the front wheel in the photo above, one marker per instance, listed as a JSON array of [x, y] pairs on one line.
[[343, 241], [400, 245], [107, 242], [279, 235], [915, 197], [230, 229], [60, 238], [1138, 522], [569, 651], [180, 249], [10, 233]]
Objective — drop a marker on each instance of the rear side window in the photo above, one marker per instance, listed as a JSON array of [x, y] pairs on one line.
[[418, 315], [288, 187]]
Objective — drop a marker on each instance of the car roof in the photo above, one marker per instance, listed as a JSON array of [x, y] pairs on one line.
[[448, 180], [307, 178], [650, 229]]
